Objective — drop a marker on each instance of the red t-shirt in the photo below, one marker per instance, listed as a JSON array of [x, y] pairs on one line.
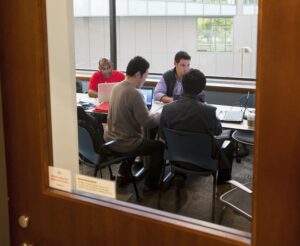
[[98, 78]]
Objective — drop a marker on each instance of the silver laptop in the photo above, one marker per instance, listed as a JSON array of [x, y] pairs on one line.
[[234, 116], [104, 91]]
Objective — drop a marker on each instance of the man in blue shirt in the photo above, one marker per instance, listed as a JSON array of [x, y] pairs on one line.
[[169, 88]]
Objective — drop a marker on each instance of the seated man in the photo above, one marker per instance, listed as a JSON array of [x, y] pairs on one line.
[[169, 88], [127, 115], [105, 74], [189, 114]]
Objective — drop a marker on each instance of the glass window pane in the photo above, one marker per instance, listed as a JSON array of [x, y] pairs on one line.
[[219, 30]]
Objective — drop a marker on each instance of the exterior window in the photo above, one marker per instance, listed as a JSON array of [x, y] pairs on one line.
[[250, 2], [217, 1], [215, 34]]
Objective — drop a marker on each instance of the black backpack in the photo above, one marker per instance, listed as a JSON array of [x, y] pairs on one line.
[[94, 127]]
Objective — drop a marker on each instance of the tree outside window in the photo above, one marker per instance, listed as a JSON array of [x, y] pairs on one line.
[[215, 34]]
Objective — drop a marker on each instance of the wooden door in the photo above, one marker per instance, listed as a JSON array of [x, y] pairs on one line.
[[58, 218]]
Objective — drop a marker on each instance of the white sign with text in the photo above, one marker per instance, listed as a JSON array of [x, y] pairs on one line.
[[60, 178], [96, 186]]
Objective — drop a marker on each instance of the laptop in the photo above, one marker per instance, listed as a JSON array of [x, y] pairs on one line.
[[234, 116], [104, 91], [147, 93]]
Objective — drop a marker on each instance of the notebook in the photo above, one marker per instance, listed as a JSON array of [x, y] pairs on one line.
[[102, 107], [234, 116], [104, 91], [147, 93]]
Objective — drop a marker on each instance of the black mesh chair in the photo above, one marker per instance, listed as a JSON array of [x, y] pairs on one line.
[[190, 152], [250, 101], [244, 137], [239, 199]]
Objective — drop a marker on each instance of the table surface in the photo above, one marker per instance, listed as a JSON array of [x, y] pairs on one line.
[[83, 98]]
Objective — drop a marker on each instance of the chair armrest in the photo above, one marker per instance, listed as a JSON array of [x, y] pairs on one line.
[[107, 144], [225, 144], [240, 186], [105, 148]]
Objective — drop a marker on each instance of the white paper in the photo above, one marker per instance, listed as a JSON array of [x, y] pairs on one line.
[[60, 178], [96, 186]]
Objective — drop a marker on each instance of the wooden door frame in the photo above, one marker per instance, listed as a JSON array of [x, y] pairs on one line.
[[23, 54], [4, 223]]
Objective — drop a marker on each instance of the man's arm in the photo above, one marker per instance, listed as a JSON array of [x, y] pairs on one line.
[[142, 114], [93, 85], [92, 93], [162, 124], [160, 92], [216, 126]]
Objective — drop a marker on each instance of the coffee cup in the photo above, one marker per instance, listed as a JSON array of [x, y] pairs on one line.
[[251, 119]]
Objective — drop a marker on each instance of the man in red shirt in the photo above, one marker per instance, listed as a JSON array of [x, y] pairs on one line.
[[105, 74]]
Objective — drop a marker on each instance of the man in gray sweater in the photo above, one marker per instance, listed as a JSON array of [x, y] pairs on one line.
[[127, 115]]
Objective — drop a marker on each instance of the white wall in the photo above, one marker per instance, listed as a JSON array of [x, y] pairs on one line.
[[62, 84], [159, 38]]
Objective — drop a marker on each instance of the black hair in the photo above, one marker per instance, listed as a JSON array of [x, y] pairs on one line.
[[137, 64], [182, 55], [193, 82]]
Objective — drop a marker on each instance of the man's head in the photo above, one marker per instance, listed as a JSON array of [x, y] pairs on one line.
[[106, 67], [137, 69], [193, 82], [182, 62]]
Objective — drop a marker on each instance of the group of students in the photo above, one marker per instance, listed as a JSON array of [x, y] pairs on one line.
[[181, 88]]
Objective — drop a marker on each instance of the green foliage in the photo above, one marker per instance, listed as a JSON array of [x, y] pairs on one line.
[[215, 34]]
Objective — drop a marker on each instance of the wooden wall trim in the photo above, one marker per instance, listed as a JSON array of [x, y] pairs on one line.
[[276, 197]]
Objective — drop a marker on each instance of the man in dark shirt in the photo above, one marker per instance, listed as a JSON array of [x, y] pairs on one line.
[[190, 114]]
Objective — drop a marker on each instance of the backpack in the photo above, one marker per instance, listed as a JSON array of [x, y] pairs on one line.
[[92, 126]]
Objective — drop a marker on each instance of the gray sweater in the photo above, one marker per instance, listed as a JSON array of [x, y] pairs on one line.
[[126, 116]]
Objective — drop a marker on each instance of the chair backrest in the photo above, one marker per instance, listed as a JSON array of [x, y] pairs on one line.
[[90, 136], [250, 102], [190, 147], [78, 86], [86, 145]]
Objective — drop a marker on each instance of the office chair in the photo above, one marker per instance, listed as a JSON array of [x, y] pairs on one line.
[[251, 100], [190, 152], [239, 199], [94, 151], [244, 138], [78, 86]]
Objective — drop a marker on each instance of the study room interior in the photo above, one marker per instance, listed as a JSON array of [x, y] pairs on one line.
[[69, 39], [221, 38]]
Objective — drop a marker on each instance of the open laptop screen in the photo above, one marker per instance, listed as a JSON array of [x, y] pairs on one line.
[[147, 93], [104, 91]]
